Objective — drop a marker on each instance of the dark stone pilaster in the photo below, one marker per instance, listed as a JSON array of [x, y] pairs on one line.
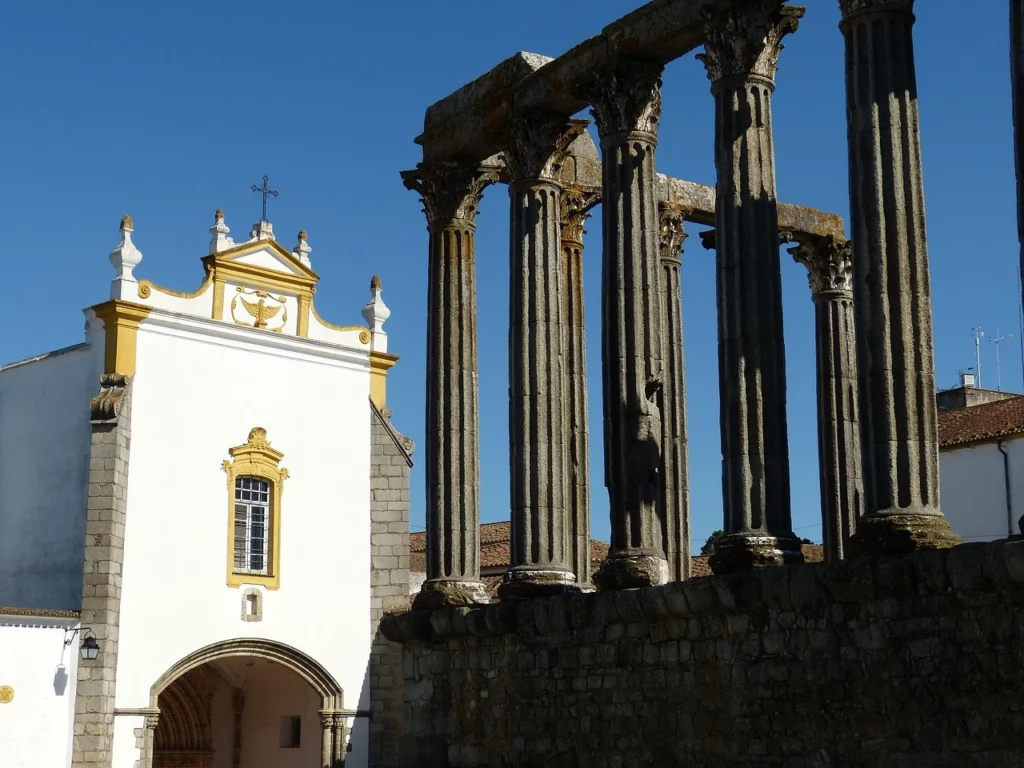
[[451, 192], [830, 272], [675, 488], [627, 106], [576, 201], [534, 149], [892, 289], [741, 53]]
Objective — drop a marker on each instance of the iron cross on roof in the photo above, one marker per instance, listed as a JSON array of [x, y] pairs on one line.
[[266, 191]]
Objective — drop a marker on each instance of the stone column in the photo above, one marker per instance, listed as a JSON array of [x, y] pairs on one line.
[[742, 48], [627, 106], [451, 192], [892, 291], [1017, 81], [338, 740], [830, 272], [534, 147], [675, 489], [326, 739], [576, 202]]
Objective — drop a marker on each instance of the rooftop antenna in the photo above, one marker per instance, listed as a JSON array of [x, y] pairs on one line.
[[978, 335], [996, 341]]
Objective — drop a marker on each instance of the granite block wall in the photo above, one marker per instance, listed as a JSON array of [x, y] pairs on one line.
[[907, 661]]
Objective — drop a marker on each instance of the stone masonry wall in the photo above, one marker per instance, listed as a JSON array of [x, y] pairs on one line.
[[390, 462], [907, 661], [110, 415]]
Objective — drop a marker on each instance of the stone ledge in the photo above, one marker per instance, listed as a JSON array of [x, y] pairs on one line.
[[964, 569]]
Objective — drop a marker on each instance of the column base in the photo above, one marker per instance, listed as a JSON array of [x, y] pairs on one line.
[[896, 534], [445, 593], [627, 571], [527, 583], [741, 552]]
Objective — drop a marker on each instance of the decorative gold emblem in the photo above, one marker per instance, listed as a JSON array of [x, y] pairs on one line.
[[364, 337], [265, 309], [6, 694]]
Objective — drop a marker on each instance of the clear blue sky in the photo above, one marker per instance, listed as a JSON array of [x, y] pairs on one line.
[[167, 111]]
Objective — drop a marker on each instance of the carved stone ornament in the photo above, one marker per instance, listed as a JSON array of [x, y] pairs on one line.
[[535, 146], [850, 7], [671, 224], [576, 204], [626, 98], [106, 406], [450, 189], [829, 265], [744, 40]]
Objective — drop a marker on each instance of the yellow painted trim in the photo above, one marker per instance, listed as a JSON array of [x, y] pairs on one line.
[[218, 299], [256, 459], [120, 334], [146, 288], [253, 276], [380, 364], [302, 321], [364, 338], [243, 249]]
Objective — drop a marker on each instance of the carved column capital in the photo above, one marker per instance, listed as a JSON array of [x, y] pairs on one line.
[[576, 204], [829, 265], [449, 189], [535, 146], [746, 40], [151, 722], [671, 224], [852, 7], [626, 98]]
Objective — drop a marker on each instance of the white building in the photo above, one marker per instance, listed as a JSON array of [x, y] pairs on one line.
[[981, 461], [208, 498]]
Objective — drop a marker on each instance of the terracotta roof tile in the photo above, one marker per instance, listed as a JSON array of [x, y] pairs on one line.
[[981, 422]]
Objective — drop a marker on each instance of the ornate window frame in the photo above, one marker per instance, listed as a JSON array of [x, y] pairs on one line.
[[257, 459]]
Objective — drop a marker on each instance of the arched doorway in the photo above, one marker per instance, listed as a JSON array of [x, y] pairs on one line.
[[247, 703]]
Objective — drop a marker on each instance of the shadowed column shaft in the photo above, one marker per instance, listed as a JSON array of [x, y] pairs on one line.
[[675, 491], [891, 283], [627, 106], [743, 44], [451, 193], [575, 202], [830, 275]]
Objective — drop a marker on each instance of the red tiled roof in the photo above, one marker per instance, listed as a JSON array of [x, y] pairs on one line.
[[494, 553], [981, 422]]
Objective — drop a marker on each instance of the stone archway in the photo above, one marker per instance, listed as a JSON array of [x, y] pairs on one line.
[[180, 735]]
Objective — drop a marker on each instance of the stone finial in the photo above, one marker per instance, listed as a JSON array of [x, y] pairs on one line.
[[302, 249], [219, 231], [261, 230], [376, 311], [125, 257]]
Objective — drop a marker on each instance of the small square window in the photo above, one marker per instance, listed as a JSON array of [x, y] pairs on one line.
[[291, 732]]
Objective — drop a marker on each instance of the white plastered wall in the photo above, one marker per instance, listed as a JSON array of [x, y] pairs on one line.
[[972, 485]]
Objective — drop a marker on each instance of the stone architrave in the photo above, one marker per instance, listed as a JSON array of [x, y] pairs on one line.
[[743, 42], [576, 202], [892, 290], [675, 490], [830, 273], [626, 104], [535, 147], [451, 192]]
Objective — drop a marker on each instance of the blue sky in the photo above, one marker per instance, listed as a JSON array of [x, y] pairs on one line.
[[168, 111]]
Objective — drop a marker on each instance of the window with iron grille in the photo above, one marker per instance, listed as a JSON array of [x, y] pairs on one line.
[[252, 525]]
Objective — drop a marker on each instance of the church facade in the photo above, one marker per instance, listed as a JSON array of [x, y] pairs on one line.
[[203, 516]]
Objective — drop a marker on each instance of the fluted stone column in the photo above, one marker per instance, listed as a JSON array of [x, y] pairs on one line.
[[576, 202], [627, 106], [451, 192], [830, 273], [892, 290], [675, 488], [1017, 81], [535, 147], [743, 44]]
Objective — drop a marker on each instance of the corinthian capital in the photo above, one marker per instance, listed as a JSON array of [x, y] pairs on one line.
[[829, 265], [671, 218], [626, 98], [744, 39], [449, 189], [850, 7], [535, 146], [576, 204]]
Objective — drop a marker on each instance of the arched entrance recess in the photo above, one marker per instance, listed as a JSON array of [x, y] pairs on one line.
[[178, 697]]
